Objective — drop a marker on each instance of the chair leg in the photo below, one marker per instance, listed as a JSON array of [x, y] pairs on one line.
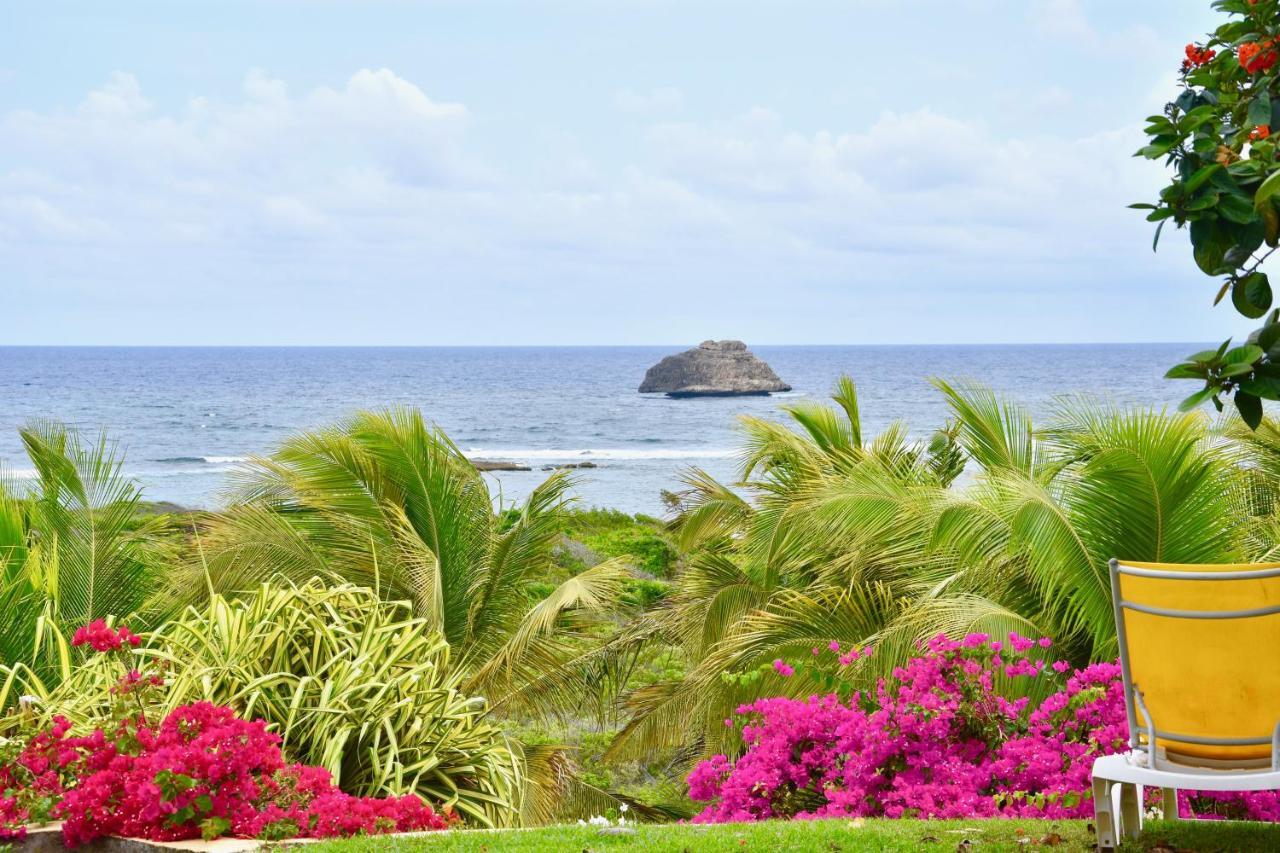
[[1130, 811], [1104, 814], [1170, 803]]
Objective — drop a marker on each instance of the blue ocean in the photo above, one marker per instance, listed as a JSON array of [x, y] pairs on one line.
[[186, 417]]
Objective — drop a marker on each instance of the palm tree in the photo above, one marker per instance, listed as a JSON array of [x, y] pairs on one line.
[[386, 501], [73, 548], [875, 543], [1097, 482], [824, 544]]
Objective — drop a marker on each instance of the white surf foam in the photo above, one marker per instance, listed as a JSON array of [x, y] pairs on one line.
[[592, 453]]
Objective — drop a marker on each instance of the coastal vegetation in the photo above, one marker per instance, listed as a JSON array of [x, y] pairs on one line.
[[881, 541], [367, 598]]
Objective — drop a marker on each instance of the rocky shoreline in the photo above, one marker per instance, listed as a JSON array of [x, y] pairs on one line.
[[487, 465]]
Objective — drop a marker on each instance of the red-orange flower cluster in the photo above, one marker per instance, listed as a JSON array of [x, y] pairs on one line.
[[1197, 56], [1257, 58], [1262, 131]]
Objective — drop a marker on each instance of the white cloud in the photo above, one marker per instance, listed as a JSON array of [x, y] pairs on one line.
[[918, 182], [259, 87], [377, 181], [119, 97], [379, 161], [656, 101], [215, 169]]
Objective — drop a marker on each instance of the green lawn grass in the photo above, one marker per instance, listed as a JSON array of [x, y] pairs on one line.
[[828, 835]]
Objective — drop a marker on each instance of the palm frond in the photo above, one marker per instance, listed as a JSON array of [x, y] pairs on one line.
[[996, 433]]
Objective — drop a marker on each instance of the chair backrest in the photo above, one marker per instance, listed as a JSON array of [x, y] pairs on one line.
[[1200, 650]]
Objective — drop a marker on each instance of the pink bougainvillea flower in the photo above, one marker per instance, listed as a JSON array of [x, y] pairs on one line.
[[102, 638], [938, 740], [201, 768]]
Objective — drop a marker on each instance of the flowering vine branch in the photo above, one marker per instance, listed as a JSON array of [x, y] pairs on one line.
[[1216, 135]]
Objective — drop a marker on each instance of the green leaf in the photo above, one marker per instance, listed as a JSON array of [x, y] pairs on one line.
[[1260, 109], [1201, 175], [1270, 224], [1266, 387], [1247, 170], [1268, 335], [1248, 238], [1235, 369], [1222, 291], [1269, 188], [1250, 409], [1199, 114], [1247, 354], [1196, 399], [214, 827], [1236, 209], [1209, 246], [1204, 143], [1251, 296], [1187, 371], [1204, 201]]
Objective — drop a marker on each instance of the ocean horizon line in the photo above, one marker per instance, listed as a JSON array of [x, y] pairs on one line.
[[686, 344]]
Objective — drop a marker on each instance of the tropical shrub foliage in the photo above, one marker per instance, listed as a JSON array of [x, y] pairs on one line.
[[366, 600], [388, 502], [351, 683], [385, 510], [197, 771], [877, 542], [1216, 137]]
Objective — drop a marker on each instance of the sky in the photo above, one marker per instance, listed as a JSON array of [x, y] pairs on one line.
[[308, 172]]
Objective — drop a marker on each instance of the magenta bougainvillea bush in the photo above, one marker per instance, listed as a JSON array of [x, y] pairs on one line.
[[198, 772], [938, 740]]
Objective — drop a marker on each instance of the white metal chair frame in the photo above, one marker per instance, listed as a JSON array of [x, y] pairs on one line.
[[1148, 764]]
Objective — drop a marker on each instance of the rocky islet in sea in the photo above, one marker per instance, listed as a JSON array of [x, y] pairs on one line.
[[712, 369]]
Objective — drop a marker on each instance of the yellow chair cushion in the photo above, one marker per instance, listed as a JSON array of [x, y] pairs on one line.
[[1217, 678]]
